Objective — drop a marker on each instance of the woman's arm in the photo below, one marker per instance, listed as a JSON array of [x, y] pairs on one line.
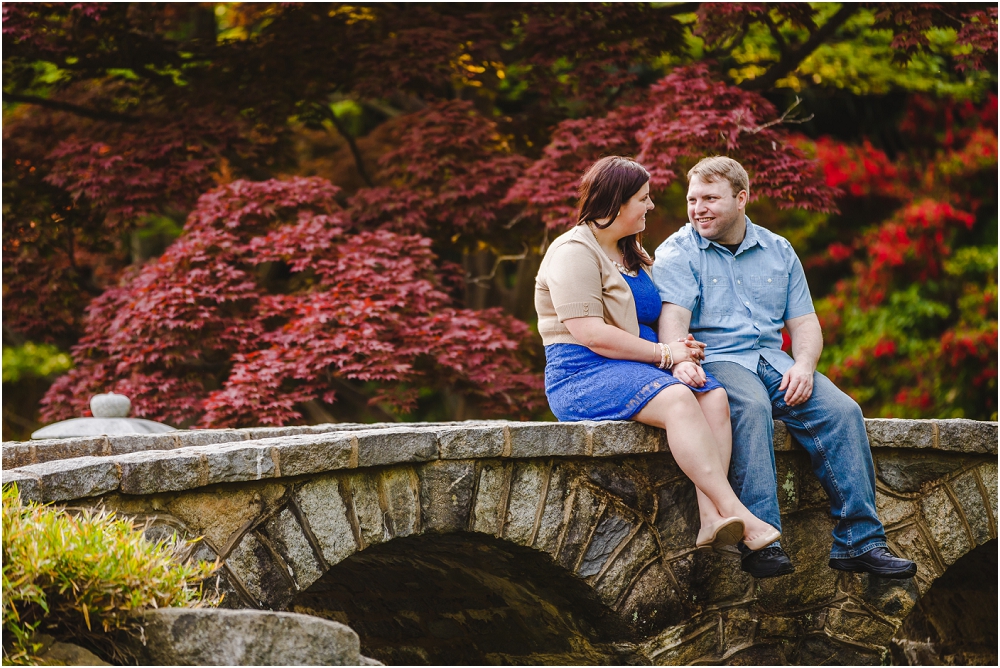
[[609, 341]]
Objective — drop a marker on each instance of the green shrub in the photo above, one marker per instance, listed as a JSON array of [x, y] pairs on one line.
[[81, 576]]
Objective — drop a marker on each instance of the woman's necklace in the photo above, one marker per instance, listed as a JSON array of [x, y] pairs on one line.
[[621, 267]]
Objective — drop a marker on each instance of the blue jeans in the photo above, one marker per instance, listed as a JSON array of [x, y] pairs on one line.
[[831, 428]]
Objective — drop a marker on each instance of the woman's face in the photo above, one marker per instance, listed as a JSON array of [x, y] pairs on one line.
[[632, 218]]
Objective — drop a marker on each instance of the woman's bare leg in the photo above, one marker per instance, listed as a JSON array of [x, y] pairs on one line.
[[694, 447], [715, 407]]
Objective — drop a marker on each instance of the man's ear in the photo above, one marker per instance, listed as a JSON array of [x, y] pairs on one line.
[[742, 197]]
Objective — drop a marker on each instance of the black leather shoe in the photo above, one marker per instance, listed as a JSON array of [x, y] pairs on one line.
[[767, 563], [878, 561]]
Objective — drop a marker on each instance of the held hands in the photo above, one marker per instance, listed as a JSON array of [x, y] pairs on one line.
[[799, 382], [687, 361]]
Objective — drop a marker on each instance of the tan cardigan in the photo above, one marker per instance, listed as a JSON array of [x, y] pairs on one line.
[[577, 279]]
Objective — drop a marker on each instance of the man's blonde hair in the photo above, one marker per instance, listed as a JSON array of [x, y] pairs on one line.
[[719, 167]]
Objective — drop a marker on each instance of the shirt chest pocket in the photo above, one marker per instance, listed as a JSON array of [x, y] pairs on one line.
[[771, 293], [716, 296]]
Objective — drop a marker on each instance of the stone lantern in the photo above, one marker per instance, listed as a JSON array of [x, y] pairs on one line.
[[110, 419]]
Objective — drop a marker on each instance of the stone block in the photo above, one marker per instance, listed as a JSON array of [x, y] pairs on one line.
[[152, 472], [367, 508], [811, 492], [970, 436], [264, 578], [616, 438], [123, 445], [612, 528], [237, 462], [626, 566], [29, 487], [18, 454], [913, 545], [323, 508], [72, 479], [806, 537], [892, 598], [738, 627], [898, 433], [988, 474], [972, 505], [462, 442], [909, 471], [815, 649], [186, 439], [714, 579], [527, 487], [779, 627], [380, 447], [783, 441], [893, 510], [304, 454], [446, 494], [491, 496], [857, 627], [220, 515], [50, 450], [788, 484], [677, 515], [691, 643], [586, 508], [621, 480], [554, 513], [945, 525], [653, 603], [548, 439], [401, 490], [288, 538], [205, 637]]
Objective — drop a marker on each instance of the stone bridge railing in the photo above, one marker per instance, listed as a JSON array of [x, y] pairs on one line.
[[584, 529]]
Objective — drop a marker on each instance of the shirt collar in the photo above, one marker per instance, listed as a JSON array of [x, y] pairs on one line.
[[751, 237]]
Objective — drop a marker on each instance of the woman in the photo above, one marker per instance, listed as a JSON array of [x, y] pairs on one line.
[[597, 314]]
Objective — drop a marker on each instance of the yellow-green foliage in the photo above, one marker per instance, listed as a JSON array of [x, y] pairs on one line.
[[81, 576]]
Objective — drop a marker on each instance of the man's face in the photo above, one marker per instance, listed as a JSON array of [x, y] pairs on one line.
[[715, 212]]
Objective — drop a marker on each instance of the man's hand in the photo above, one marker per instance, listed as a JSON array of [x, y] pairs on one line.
[[799, 382], [689, 373]]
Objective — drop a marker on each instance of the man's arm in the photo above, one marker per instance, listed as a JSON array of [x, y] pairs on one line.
[[674, 323], [807, 344]]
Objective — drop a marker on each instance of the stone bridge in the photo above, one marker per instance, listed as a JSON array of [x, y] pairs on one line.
[[568, 543]]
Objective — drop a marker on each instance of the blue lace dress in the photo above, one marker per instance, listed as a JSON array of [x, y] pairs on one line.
[[582, 385]]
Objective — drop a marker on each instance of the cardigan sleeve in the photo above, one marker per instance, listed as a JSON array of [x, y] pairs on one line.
[[574, 281]]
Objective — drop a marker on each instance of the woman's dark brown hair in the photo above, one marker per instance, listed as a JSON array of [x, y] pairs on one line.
[[607, 185]]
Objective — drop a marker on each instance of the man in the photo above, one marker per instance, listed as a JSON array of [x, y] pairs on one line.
[[735, 285]]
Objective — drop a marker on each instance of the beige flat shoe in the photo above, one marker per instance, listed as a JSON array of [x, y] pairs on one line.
[[763, 540], [725, 532]]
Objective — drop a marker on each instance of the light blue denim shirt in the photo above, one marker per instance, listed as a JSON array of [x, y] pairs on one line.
[[739, 304]]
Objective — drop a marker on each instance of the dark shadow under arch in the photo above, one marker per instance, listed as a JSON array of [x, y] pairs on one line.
[[955, 622], [466, 598]]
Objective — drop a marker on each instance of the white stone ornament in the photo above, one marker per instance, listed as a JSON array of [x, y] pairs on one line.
[[110, 405]]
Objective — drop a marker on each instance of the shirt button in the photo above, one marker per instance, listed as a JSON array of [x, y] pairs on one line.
[[769, 280], [746, 303], [739, 282], [715, 280]]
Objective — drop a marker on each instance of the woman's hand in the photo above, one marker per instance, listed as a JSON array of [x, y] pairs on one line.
[[687, 350], [690, 374]]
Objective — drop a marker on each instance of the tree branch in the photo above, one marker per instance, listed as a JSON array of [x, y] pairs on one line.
[[680, 8], [788, 64], [86, 112], [358, 161]]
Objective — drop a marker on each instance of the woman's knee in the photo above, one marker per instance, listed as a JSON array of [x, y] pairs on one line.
[[715, 404]]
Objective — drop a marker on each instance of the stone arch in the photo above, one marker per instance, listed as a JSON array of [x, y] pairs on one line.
[[955, 621], [597, 522], [464, 599], [936, 522]]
